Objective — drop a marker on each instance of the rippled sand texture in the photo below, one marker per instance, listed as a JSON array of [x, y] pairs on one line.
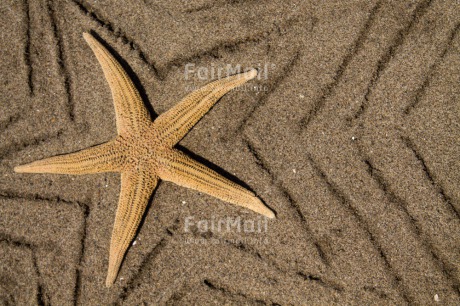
[[351, 137]]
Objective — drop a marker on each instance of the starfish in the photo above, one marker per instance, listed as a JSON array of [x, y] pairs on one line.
[[143, 152]]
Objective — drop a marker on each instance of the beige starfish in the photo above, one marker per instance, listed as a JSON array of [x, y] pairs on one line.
[[143, 152]]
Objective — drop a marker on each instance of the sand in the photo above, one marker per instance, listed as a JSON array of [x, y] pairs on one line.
[[351, 135]]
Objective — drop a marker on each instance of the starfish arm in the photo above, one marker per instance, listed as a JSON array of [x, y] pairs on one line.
[[174, 124], [101, 158], [131, 114], [184, 171], [136, 189]]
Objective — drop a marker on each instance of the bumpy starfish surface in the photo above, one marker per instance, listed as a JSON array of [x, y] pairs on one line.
[[143, 152]]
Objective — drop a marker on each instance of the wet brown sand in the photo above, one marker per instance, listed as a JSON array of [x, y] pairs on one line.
[[351, 135]]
